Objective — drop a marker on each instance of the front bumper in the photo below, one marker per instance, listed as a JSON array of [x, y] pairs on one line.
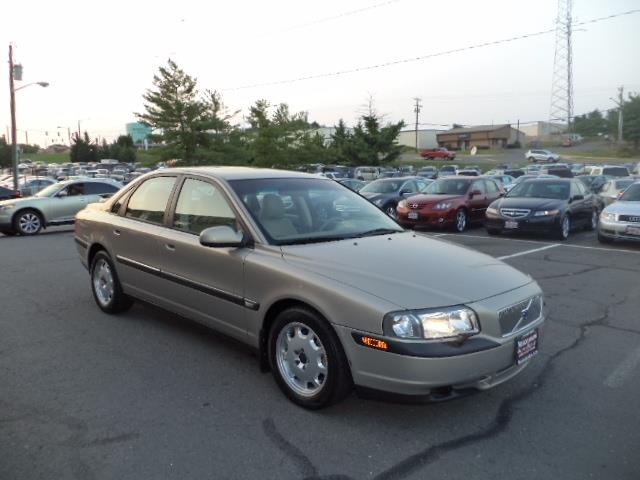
[[412, 375], [618, 230], [6, 218], [529, 224], [427, 218]]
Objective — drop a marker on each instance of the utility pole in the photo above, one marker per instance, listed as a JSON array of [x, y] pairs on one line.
[[416, 109], [14, 140], [620, 103]]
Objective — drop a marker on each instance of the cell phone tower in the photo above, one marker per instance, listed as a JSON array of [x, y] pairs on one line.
[[562, 86]]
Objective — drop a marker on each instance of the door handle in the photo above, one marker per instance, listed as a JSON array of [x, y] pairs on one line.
[[170, 247], [116, 232]]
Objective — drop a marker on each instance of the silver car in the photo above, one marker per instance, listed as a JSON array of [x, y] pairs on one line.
[[621, 219], [328, 289], [537, 155], [56, 204]]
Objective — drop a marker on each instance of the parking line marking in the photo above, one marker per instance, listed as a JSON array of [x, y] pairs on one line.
[[586, 247], [617, 378], [527, 252]]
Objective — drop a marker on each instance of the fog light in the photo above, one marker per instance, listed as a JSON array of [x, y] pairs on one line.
[[440, 220]]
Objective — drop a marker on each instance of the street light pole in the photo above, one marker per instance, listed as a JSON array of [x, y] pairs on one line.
[[14, 141]]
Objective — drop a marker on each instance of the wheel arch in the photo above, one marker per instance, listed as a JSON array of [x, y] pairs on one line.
[[93, 249], [33, 209], [270, 315]]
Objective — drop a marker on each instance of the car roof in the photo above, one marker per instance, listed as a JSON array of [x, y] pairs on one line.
[[239, 173]]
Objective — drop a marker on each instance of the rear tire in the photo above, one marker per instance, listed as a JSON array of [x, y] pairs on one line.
[[593, 221], [307, 359], [532, 159], [105, 285]]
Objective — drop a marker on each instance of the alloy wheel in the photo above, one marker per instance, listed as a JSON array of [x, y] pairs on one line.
[[301, 359], [566, 227], [103, 282], [29, 223], [461, 220]]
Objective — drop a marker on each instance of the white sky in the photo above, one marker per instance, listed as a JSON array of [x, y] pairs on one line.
[[100, 57]]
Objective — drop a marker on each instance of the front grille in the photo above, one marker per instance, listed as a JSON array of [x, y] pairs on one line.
[[518, 316], [629, 218], [414, 205], [514, 212]]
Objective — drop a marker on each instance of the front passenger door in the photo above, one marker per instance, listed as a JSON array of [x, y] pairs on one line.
[[66, 203], [478, 204], [207, 281]]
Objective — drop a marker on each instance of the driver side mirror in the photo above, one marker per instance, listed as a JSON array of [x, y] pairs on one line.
[[575, 198], [474, 193], [62, 194], [222, 236], [405, 192]]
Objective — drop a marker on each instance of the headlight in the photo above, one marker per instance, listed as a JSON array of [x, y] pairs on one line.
[[443, 205], [402, 204], [7, 206], [608, 217], [378, 202], [492, 211], [431, 324], [546, 213]]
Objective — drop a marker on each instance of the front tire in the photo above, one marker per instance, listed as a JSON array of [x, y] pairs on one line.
[[307, 359], [27, 222], [564, 228], [105, 285], [603, 239], [461, 221]]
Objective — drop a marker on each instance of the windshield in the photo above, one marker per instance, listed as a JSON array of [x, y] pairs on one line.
[[300, 210], [616, 171], [48, 191], [382, 186], [448, 187], [631, 194], [538, 189]]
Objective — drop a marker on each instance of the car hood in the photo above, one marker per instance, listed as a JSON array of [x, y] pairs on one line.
[[429, 199], [624, 208], [408, 270], [529, 203]]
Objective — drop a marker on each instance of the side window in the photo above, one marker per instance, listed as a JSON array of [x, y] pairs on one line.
[[574, 189], [478, 186], [581, 189], [491, 186], [421, 185], [201, 205], [409, 186], [149, 201], [76, 189], [98, 188]]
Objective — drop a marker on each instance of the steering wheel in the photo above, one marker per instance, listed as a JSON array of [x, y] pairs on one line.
[[330, 224]]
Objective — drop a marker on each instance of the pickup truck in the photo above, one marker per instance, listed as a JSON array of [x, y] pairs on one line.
[[431, 153]]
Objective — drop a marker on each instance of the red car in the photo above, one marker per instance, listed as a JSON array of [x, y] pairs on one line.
[[449, 202], [431, 153]]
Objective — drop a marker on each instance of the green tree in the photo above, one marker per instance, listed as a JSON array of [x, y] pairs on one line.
[[174, 110], [277, 139], [341, 145], [591, 124], [373, 144], [83, 149], [122, 149], [631, 117], [5, 153]]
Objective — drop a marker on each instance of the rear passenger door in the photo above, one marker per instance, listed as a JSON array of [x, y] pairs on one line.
[[206, 282], [478, 204], [133, 233]]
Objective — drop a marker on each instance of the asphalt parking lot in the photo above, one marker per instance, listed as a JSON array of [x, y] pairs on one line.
[[149, 395]]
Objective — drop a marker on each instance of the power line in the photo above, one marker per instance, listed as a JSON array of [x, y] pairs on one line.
[[428, 56], [338, 16]]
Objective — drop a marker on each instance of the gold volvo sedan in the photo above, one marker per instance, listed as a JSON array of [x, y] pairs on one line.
[[330, 291]]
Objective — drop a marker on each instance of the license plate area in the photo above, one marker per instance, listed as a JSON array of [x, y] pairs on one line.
[[632, 230], [526, 346], [510, 224], [413, 215]]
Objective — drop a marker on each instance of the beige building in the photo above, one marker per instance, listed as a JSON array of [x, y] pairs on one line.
[[426, 138], [481, 136], [543, 131]]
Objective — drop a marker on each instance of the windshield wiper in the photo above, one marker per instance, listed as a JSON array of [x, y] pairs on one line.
[[302, 241], [376, 231]]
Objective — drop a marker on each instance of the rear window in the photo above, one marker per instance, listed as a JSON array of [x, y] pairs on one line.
[[615, 171]]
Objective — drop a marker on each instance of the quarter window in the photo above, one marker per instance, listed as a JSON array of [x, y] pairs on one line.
[[149, 201], [99, 188], [202, 205]]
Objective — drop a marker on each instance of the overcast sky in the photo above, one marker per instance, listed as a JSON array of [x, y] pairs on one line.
[[100, 58]]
